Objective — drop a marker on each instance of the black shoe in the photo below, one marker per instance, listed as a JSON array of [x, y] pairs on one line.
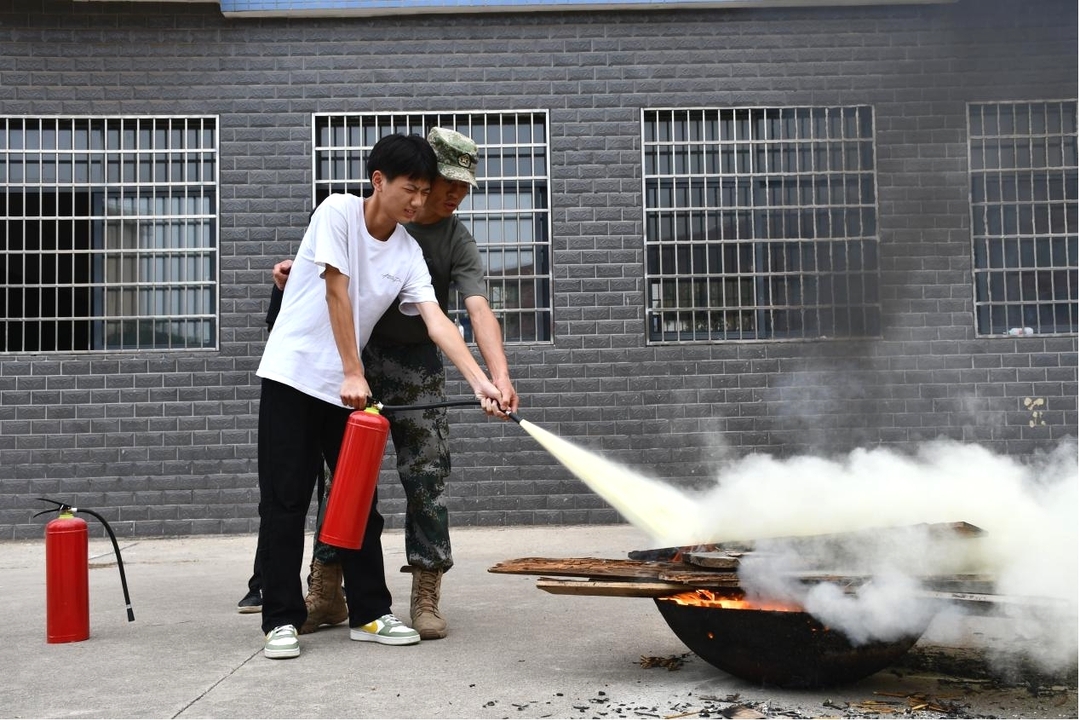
[[252, 602]]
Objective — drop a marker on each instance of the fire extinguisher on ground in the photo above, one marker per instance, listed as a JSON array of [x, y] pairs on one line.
[[67, 573]]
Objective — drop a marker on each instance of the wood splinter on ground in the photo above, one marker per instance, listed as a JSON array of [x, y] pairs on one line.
[[915, 702], [671, 662]]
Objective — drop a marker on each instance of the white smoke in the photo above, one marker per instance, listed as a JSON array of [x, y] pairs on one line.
[[886, 609], [881, 501], [888, 605]]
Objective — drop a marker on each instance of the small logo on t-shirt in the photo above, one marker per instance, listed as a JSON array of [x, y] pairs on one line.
[[391, 278]]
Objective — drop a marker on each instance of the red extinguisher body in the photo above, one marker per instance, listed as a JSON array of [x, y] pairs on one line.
[[67, 580], [352, 487]]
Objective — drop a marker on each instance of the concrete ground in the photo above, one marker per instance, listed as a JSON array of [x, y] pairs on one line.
[[513, 651]]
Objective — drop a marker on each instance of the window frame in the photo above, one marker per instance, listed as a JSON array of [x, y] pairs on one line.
[[1002, 288], [110, 168], [721, 184], [536, 215]]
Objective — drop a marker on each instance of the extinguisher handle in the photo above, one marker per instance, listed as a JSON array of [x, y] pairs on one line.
[[58, 507]]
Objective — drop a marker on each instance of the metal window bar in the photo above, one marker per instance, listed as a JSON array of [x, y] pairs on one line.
[[508, 214], [760, 223], [1023, 167], [109, 233]]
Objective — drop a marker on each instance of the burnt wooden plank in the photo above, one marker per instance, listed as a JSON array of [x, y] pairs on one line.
[[976, 603], [991, 604], [629, 572], [674, 553], [585, 567], [610, 588], [716, 560], [982, 584], [961, 583], [700, 578], [959, 529]]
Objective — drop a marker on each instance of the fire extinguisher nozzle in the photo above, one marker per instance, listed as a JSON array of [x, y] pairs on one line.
[[514, 416]]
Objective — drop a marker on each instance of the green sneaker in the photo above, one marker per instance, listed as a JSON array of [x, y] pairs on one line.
[[281, 642], [387, 630]]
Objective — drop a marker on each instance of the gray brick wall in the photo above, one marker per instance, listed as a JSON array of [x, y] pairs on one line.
[[164, 444]]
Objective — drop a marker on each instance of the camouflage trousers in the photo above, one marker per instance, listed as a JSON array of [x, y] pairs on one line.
[[413, 375]]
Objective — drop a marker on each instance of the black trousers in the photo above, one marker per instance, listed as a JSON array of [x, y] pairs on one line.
[[255, 581], [296, 431]]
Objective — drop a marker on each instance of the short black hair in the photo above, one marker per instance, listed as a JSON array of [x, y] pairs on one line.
[[409, 155]]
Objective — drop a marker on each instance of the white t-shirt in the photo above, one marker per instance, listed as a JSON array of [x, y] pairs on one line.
[[301, 351]]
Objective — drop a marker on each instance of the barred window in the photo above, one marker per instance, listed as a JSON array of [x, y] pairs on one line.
[[508, 213], [760, 224], [1024, 216], [108, 234]]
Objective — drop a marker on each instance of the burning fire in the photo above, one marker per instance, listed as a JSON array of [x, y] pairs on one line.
[[708, 598]]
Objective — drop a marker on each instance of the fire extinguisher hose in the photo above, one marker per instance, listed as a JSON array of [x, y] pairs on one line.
[[444, 403], [61, 506], [427, 406]]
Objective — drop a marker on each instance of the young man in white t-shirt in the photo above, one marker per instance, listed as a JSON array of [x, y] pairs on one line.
[[355, 260]]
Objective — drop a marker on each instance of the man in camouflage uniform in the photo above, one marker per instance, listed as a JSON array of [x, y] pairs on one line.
[[404, 367]]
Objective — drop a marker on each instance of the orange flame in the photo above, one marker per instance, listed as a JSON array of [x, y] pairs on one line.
[[708, 598]]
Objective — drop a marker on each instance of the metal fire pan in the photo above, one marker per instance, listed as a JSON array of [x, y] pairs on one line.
[[783, 649]]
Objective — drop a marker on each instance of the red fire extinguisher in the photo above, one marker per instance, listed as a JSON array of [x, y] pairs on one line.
[[355, 479], [67, 574], [67, 579], [357, 473]]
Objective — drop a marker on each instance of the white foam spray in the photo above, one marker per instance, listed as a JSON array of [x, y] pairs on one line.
[[654, 507], [1027, 508]]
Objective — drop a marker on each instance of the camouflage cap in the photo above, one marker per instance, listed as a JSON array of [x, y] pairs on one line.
[[456, 154]]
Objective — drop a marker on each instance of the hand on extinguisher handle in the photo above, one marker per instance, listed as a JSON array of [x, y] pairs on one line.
[[355, 392]]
